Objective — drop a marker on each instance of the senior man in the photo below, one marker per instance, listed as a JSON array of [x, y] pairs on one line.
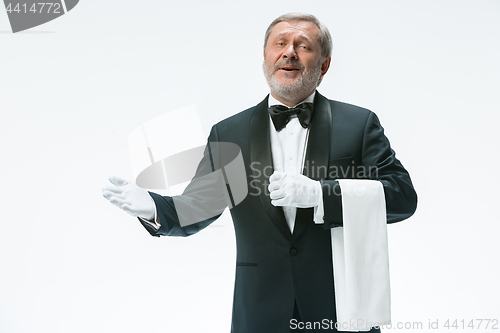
[[284, 251]]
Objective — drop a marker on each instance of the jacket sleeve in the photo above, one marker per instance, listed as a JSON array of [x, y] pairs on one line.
[[379, 162], [201, 203]]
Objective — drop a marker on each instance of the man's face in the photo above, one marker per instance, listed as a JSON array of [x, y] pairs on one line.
[[292, 59]]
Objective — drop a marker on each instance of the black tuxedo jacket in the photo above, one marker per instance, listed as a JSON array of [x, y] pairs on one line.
[[274, 268]]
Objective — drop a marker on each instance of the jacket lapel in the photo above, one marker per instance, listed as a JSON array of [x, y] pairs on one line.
[[261, 163], [317, 155]]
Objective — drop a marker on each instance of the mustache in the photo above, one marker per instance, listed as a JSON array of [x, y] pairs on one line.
[[293, 63]]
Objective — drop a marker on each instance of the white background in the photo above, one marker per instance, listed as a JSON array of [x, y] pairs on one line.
[[73, 89]]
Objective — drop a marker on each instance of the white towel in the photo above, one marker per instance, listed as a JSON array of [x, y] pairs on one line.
[[361, 258]]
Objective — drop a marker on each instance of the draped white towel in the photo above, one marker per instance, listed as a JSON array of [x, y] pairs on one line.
[[361, 258]]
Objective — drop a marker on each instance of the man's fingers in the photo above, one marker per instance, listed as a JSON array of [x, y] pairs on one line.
[[106, 194], [279, 202], [276, 181], [274, 186], [118, 181], [278, 194], [113, 189], [109, 195], [119, 202], [277, 175]]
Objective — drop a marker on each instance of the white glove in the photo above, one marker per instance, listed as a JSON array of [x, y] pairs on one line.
[[131, 198], [294, 190]]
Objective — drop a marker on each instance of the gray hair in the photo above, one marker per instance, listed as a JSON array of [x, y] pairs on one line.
[[325, 38]]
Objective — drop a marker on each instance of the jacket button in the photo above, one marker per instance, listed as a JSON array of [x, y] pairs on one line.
[[293, 251]]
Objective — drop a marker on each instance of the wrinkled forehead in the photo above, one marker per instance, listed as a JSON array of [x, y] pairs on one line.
[[305, 30]]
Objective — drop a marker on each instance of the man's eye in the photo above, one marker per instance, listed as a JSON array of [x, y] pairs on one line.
[[281, 44], [304, 47]]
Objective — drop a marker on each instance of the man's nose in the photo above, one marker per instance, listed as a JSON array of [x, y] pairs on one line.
[[290, 52]]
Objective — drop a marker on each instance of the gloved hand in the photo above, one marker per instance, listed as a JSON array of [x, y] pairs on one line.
[[131, 198], [293, 190]]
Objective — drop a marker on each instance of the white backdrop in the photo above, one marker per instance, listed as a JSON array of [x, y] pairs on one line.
[[73, 89]]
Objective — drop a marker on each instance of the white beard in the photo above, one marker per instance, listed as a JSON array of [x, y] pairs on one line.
[[307, 81]]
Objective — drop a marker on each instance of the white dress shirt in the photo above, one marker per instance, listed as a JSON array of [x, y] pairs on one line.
[[288, 148]]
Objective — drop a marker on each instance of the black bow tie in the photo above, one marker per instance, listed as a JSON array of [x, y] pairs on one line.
[[281, 115]]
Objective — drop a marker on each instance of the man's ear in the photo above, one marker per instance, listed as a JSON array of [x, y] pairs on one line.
[[325, 65], [264, 53]]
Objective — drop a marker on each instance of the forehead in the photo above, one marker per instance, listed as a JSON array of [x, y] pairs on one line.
[[301, 29]]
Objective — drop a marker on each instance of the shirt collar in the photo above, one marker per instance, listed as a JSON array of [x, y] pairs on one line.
[[274, 101]]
